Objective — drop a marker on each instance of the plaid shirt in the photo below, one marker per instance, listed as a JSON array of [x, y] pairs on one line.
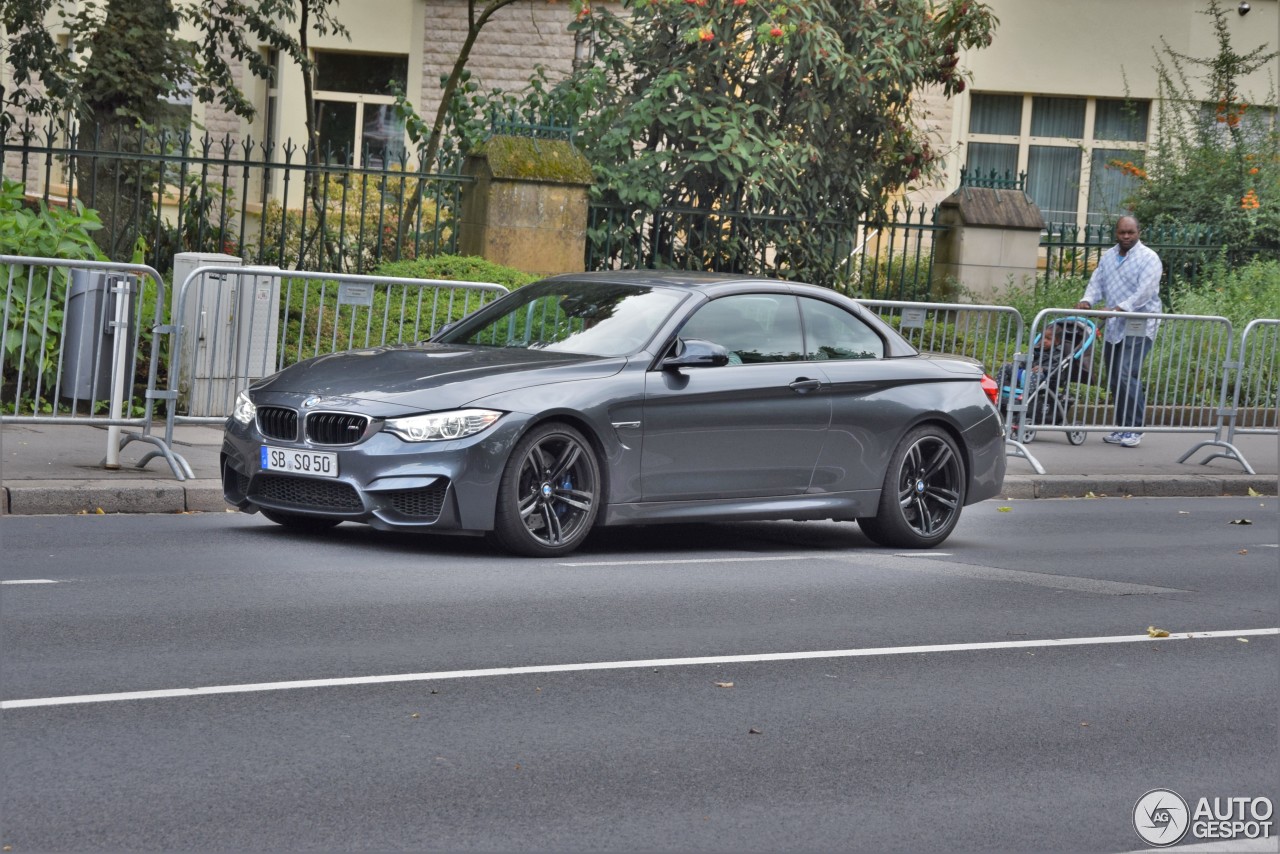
[[1129, 282]]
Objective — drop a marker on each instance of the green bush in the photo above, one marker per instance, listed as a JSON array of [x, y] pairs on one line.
[[35, 298], [315, 323], [462, 268]]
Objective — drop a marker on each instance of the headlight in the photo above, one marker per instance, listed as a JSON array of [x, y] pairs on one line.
[[245, 410], [436, 426]]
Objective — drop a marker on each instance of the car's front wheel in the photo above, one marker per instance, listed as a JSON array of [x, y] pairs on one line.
[[549, 494], [923, 492]]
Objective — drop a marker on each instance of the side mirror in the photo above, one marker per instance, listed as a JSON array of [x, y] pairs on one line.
[[696, 353]]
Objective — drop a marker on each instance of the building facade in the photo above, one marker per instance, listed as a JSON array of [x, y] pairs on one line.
[[1066, 94]]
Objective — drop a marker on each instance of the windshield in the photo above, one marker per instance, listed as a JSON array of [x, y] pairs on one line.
[[592, 318]]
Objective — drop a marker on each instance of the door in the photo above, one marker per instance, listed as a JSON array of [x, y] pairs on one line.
[[749, 429]]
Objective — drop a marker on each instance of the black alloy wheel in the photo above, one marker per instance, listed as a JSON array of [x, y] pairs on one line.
[[549, 495], [923, 492]]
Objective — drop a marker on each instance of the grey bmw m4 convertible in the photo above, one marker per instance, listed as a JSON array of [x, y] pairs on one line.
[[624, 398]]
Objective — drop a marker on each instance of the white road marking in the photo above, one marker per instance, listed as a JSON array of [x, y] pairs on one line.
[[618, 665], [689, 560], [31, 581]]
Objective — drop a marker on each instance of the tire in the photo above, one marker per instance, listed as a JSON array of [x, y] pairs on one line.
[[295, 522], [549, 494], [1027, 436], [1076, 437], [923, 492]]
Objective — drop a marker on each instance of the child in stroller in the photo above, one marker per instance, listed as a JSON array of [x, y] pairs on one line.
[[1060, 355]]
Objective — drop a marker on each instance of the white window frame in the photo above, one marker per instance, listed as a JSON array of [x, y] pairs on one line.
[[1085, 144]]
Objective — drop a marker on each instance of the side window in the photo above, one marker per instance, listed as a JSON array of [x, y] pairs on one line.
[[833, 333], [752, 327]]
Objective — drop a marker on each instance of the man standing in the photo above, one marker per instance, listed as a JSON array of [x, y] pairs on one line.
[[1127, 278]]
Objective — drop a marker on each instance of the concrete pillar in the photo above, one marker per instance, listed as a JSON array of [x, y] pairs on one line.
[[527, 207]]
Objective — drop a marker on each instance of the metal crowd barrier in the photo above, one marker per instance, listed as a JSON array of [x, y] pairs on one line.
[[989, 333], [234, 325], [1254, 407], [75, 335], [1186, 378], [1196, 378]]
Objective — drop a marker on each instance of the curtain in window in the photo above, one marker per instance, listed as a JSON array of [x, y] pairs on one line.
[[1058, 117], [382, 143], [985, 158], [1053, 181], [1114, 175], [1125, 120], [995, 114]]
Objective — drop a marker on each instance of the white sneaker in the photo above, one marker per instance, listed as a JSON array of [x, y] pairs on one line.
[[1116, 438], [1131, 440]]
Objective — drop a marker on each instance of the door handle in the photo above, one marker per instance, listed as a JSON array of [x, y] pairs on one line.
[[804, 385]]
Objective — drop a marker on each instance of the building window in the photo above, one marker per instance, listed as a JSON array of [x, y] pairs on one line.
[[1082, 156], [355, 112]]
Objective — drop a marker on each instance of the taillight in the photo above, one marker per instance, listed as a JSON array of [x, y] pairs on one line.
[[991, 388]]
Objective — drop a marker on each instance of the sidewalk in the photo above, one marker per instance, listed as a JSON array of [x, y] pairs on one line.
[[58, 469]]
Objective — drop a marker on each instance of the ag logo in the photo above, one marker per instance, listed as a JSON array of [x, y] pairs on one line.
[[1161, 817]]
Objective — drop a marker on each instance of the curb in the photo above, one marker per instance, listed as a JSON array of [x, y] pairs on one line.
[[76, 497], [1146, 486], [73, 497]]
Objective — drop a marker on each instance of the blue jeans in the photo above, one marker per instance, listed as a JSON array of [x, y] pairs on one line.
[[1124, 363]]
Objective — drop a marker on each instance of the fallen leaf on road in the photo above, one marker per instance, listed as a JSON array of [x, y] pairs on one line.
[[1084, 723], [1184, 512], [100, 512], [1152, 631], [1090, 495], [414, 715], [1253, 493], [1005, 509], [1243, 640], [1243, 552], [753, 731], [1239, 522], [724, 684]]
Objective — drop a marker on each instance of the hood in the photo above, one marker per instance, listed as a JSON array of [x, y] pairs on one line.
[[429, 376]]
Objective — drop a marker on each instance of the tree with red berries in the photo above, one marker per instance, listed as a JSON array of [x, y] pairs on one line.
[[1216, 159], [792, 108]]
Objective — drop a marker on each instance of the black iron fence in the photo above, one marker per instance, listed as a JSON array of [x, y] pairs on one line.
[[1188, 252], [160, 193], [886, 258]]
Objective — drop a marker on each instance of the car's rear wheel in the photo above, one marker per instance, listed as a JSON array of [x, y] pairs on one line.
[[549, 494], [923, 492], [297, 522]]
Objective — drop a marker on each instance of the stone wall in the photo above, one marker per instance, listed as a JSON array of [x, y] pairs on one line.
[[515, 41]]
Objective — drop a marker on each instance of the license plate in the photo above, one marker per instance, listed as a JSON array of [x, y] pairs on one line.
[[317, 463]]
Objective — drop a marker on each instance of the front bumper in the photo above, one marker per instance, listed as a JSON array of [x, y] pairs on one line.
[[382, 481]]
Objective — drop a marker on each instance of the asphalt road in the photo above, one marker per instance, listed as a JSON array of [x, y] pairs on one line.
[[930, 712]]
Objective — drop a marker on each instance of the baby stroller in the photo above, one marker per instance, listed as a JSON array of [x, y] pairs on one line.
[[1061, 354]]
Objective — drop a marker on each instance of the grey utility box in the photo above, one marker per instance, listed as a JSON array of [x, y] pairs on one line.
[[230, 331], [90, 331]]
